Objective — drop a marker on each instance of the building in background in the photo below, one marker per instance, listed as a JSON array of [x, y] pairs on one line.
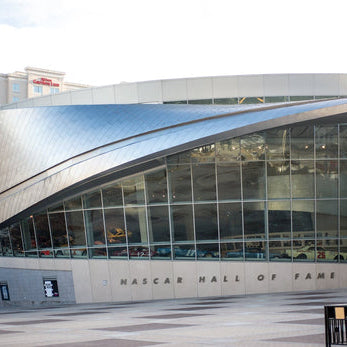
[[34, 82]]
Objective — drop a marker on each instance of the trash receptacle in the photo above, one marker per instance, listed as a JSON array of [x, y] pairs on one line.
[[335, 325]]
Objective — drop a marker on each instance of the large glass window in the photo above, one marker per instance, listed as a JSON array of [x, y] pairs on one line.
[[5, 244], [75, 228], [303, 219], [16, 240], [253, 147], [204, 182], [158, 218], [43, 235], [326, 178], [229, 181], [156, 186], [115, 228], [302, 142], [112, 196], [95, 227], [278, 179], [277, 144], [136, 225], [326, 217], [134, 191], [58, 229], [254, 220], [206, 227], [230, 221], [180, 183], [302, 179], [182, 222], [92, 200], [326, 141], [29, 239], [228, 150], [253, 180], [279, 219], [203, 154]]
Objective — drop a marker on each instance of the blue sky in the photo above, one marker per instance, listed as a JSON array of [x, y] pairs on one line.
[[109, 41]]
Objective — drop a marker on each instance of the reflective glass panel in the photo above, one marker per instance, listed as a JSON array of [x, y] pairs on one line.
[[206, 227], [118, 252], [343, 178], [204, 182], [43, 235], [279, 219], [232, 251], [180, 158], [278, 179], [207, 251], [302, 142], [58, 229], [28, 234], [100, 252], [343, 219], [75, 228], [229, 181], [136, 225], [182, 222], [326, 141], [277, 144], [327, 250], [182, 251], [303, 219], [255, 250], [280, 250], [254, 220], [79, 253], [140, 252], [92, 200], [5, 244], [94, 227], [158, 220], [180, 183], [326, 178], [230, 221], [228, 150], [343, 141], [253, 147], [253, 180], [156, 186], [133, 191], [303, 250], [203, 154], [302, 179], [161, 251], [327, 220], [112, 196], [73, 204], [115, 229]]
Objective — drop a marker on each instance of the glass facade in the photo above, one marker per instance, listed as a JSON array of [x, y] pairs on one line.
[[275, 195]]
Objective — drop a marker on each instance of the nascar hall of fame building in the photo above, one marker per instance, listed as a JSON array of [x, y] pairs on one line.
[[175, 188]]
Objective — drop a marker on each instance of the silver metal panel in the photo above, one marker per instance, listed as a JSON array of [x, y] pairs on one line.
[[49, 149]]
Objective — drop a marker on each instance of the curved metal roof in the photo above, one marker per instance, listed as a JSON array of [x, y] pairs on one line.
[[47, 149]]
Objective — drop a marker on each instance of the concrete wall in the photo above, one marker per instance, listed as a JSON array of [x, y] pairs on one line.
[[86, 281], [200, 88]]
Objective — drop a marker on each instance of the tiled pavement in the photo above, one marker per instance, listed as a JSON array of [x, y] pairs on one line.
[[286, 319]]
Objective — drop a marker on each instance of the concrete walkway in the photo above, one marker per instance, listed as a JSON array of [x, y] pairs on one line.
[[286, 319]]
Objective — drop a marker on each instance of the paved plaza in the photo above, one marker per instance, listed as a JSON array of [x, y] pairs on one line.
[[285, 319]]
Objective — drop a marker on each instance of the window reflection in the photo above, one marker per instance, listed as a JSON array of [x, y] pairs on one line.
[[75, 228], [112, 196], [204, 182], [115, 228], [303, 219], [182, 222], [156, 186], [206, 227], [229, 181], [326, 141], [230, 221], [277, 144], [136, 225], [158, 218], [253, 180], [94, 227], [326, 178], [5, 244], [302, 179], [180, 183], [302, 142], [133, 191], [278, 179], [254, 220], [327, 223], [58, 229]]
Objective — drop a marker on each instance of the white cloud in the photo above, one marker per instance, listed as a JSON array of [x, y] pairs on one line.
[[104, 42]]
